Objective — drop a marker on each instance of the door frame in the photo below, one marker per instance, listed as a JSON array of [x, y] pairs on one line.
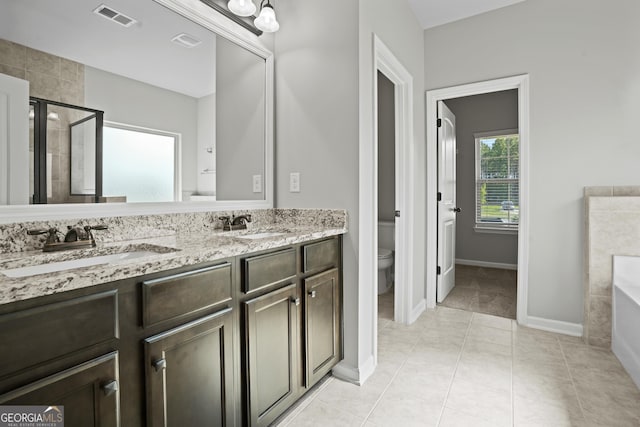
[[387, 63], [521, 83]]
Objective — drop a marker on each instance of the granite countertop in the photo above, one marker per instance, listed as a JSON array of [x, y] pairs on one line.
[[172, 251]]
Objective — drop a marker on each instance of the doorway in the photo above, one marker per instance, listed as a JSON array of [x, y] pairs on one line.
[[481, 269], [386, 198], [521, 84]]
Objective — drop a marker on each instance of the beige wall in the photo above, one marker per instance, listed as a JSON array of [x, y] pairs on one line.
[[585, 104]]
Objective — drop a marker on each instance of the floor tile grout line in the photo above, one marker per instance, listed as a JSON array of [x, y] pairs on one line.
[[453, 376], [373, 408], [298, 410], [573, 383]]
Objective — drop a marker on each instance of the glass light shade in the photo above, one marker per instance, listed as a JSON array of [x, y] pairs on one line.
[[267, 20], [242, 7]]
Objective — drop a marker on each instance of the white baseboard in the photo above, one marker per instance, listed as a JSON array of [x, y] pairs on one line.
[[486, 264], [352, 374], [417, 311], [557, 326]]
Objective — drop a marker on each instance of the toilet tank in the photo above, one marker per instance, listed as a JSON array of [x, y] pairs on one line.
[[386, 234]]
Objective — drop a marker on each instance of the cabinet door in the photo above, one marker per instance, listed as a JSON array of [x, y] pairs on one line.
[[271, 345], [189, 374], [322, 324], [88, 393]]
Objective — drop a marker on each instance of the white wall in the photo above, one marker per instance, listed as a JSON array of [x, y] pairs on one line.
[[324, 107], [397, 27], [240, 144], [585, 101], [206, 182], [132, 102], [475, 114], [316, 94]]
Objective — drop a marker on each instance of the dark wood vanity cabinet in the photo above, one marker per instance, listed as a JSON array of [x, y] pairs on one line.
[[189, 374], [229, 343], [88, 393], [321, 324], [291, 334], [272, 354]]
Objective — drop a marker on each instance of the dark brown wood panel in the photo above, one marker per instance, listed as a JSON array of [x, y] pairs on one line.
[[271, 346], [89, 393], [265, 270], [322, 324], [320, 255], [33, 336], [189, 374], [178, 295]]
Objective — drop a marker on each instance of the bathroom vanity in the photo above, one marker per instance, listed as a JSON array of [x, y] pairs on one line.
[[233, 336]]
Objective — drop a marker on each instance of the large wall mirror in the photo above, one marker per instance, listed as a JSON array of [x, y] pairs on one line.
[[146, 102]]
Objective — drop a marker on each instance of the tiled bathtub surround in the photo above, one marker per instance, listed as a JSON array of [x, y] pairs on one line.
[[178, 240], [612, 223]]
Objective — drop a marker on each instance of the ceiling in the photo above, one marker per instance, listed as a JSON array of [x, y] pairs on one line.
[[144, 51], [432, 13]]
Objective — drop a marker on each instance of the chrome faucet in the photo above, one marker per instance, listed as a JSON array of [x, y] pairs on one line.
[[235, 222], [75, 237]]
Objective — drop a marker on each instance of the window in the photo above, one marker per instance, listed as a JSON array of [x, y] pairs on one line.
[[141, 164], [498, 180]]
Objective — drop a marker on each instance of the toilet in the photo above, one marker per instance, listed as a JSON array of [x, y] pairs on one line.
[[385, 261], [386, 243]]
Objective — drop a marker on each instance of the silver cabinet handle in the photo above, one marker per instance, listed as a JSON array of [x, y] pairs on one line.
[[312, 294], [295, 301], [160, 365], [110, 388]]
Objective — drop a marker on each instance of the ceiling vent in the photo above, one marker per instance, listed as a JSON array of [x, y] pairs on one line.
[[186, 40], [114, 15]]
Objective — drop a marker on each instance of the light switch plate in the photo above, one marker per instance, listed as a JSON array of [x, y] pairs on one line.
[[257, 183], [294, 182]]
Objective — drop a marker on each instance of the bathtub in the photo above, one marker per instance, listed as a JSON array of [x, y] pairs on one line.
[[625, 333]]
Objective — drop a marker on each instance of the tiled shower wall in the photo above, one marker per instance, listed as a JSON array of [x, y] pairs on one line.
[[612, 221], [56, 79]]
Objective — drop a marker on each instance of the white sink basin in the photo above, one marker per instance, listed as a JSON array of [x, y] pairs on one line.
[[75, 263], [260, 235]]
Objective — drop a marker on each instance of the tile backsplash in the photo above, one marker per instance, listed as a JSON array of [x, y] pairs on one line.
[[14, 237]]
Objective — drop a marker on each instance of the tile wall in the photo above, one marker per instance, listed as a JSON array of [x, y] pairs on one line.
[[56, 79], [612, 227]]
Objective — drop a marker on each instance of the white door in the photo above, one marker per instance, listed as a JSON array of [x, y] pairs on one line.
[[14, 141], [446, 201]]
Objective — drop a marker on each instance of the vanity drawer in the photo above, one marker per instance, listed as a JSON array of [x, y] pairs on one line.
[[181, 294], [320, 255], [40, 334], [264, 270]]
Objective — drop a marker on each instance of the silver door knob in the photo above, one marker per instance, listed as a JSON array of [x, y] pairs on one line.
[[160, 365], [312, 294], [295, 301], [110, 388]]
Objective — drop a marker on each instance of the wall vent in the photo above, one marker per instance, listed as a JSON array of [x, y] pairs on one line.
[[114, 15], [186, 40]]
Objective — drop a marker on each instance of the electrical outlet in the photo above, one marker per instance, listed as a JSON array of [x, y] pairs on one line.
[[294, 182], [257, 183]]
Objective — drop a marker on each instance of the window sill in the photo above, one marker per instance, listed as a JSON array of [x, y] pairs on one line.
[[495, 230]]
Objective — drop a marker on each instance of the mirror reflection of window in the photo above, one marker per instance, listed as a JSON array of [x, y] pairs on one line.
[[141, 165]]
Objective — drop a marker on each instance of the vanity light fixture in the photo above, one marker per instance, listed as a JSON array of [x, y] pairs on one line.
[[242, 7], [266, 21]]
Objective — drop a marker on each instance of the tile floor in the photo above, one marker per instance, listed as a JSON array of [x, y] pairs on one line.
[[458, 368], [484, 290]]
